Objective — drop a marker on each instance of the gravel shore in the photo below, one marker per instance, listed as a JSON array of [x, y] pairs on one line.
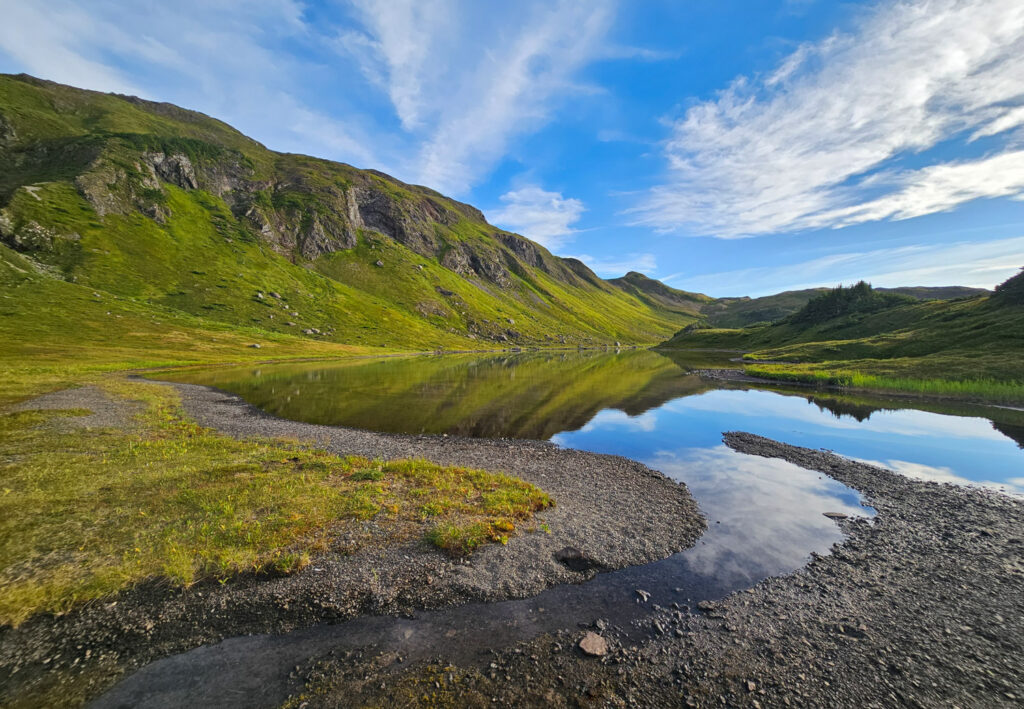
[[921, 607], [610, 512]]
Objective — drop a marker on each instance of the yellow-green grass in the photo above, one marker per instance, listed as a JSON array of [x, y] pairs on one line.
[[848, 375], [88, 512]]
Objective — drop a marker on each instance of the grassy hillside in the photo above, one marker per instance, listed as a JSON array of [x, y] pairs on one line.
[[177, 210], [659, 295], [969, 346]]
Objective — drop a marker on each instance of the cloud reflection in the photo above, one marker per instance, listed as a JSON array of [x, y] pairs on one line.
[[613, 418], [764, 515], [943, 474], [905, 422]]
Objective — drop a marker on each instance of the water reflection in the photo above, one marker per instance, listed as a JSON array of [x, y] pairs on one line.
[[641, 401]]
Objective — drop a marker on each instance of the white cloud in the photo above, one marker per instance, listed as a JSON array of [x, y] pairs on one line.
[[546, 217], [615, 267], [466, 79], [790, 151], [937, 188], [981, 264]]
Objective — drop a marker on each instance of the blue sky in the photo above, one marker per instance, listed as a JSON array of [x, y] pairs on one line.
[[722, 146]]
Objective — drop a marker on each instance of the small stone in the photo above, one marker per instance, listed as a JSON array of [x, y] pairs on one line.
[[259, 296], [379, 263], [594, 645], [751, 687], [275, 295], [835, 515], [644, 595], [255, 345]]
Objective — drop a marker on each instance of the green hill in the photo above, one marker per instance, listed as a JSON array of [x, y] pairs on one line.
[[658, 295], [882, 340], [745, 311], [177, 211]]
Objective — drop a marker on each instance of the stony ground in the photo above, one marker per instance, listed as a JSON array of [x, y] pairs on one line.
[[610, 513], [921, 607]]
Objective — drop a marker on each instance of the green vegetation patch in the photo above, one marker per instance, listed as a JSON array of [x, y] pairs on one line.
[[841, 374], [85, 513]]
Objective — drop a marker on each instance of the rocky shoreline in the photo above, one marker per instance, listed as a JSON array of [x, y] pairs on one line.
[[590, 529], [923, 606]]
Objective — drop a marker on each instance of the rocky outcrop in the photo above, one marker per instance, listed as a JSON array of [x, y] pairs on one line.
[[7, 134], [30, 236], [176, 169], [524, 249]]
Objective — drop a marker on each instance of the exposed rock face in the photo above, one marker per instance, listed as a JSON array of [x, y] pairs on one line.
[[7, 134], [324, 238], [524, 249], [374, 209], [30, 236], [176, 169]]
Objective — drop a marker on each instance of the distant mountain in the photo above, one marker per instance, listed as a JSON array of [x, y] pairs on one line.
[[888, 333], [744, 311], [171, 207]]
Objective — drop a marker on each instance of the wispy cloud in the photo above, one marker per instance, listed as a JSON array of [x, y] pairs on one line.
[[546, 217], [467, 79], [981, 264], [615, 267], [795, 149]]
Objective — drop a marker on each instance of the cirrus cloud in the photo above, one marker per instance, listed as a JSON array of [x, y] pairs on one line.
[[798, 149]]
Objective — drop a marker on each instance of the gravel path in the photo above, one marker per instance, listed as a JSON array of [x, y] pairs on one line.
[[104, 412], [922, 607], [610, 512]]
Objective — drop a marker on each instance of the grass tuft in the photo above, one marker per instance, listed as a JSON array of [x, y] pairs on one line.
[[87, 512]]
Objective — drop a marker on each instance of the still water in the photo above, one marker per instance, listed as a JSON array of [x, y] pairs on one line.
[[639, 404], [765, 517]]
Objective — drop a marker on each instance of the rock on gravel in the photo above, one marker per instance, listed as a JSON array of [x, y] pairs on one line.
[[594, 645]]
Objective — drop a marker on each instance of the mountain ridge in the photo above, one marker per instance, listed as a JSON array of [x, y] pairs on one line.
[[148, 200], [151, 201]]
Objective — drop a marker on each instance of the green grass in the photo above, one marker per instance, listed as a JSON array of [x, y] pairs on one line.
[[826, 375], [85, 513]]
